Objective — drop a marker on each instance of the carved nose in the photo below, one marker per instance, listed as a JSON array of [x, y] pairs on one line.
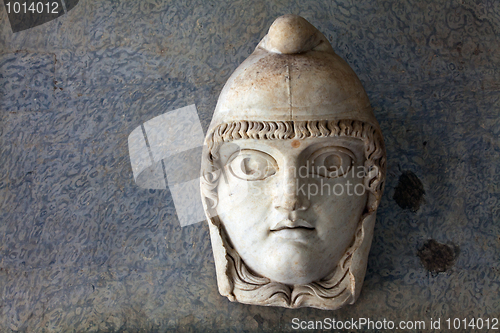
[[291, 203], [289, 195]]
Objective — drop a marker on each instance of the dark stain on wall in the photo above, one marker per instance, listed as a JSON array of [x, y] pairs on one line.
[[409, 193], [437, 257]]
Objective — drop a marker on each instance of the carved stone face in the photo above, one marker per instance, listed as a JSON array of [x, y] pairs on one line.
[[291, 207], [293, 171]]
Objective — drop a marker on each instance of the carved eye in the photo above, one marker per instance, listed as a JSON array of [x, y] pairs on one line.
[[331, 162], [252, 165]]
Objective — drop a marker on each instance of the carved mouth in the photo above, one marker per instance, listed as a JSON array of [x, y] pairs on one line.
[[289, 224]]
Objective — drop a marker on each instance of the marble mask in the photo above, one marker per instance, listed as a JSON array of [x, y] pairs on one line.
[[292, 174]]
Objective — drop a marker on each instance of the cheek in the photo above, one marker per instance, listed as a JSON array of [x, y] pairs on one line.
[[244, 208], [338, 206], [244, 195]]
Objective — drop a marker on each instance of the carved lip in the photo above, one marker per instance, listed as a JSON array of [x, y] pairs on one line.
[[289, 224]]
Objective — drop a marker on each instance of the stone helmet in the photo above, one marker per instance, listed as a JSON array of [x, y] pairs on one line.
[[293, 75]]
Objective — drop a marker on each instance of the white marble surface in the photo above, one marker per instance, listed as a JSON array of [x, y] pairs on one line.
[[295, 205], [293, 226]]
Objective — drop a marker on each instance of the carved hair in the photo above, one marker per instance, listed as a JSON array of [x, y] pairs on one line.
[[338, 286]]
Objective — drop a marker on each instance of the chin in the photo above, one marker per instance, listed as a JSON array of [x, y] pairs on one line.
[[291, 266], [294, 275]]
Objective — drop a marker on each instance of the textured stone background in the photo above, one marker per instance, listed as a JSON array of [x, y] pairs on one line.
[[83, 249]]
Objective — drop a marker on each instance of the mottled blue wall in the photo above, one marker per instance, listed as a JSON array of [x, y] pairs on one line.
[[84, 249]]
